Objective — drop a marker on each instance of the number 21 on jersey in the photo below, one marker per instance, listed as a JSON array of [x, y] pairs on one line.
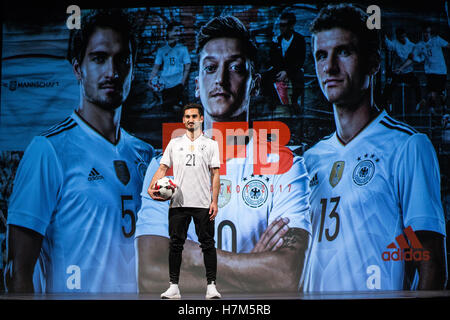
[[190, 160]]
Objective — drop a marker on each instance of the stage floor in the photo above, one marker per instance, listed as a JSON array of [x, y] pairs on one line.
[[443, 294]]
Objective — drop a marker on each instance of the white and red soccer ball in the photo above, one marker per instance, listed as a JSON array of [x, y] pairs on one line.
[[166, 187], [156, 84]]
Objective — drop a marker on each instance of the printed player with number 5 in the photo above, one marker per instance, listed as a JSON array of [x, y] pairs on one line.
[[76, 193], [371, 179]]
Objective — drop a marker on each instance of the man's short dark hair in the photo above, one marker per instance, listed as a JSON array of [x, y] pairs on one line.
[[197, 106], [227, 27], [115, 19], [290, 17], [353, 19]]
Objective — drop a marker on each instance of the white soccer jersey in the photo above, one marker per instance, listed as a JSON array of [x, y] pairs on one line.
[[432, 55], [81, 193], [363, 196], [172, 60], [192, 162], [248, 203]]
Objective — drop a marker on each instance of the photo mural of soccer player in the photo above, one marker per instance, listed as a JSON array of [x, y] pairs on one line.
[[174, 62], [375, 181], [73, 208], [263, 225]]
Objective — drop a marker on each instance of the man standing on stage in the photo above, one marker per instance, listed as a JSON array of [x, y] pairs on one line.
[[195, 161], [376, 179]]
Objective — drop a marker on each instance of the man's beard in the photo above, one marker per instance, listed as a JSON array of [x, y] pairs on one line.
[[109, 104], [106, 102], [352, 105]]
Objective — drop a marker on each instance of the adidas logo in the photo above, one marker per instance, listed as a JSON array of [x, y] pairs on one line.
[[314, 181], [412, 251], [94, 175]]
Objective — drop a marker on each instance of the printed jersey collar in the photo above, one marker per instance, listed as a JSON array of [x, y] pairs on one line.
[[94, 133], [195, 140], [363, 132]]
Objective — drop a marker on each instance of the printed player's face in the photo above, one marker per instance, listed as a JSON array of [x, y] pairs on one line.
[[175, 34], [285, 27], [224, 80], [339, 67], [106, 71]]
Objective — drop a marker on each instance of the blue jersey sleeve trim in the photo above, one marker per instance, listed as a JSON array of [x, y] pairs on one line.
[[26, 220], [427, 224], [418, 184], [36, 186]]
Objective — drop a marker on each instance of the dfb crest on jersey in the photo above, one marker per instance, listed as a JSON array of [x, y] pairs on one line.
[[336, 173], [224, 192], [363, 172], [122, 171], [255, 193]]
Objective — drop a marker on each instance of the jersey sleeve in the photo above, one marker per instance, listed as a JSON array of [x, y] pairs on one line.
[[418, 184], [215, 157], [442, 42], [167, 155], [291, 196], [153, 215], [36, 187]]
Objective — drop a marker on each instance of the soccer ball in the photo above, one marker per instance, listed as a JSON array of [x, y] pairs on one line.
[[157, 85], [166, 187]]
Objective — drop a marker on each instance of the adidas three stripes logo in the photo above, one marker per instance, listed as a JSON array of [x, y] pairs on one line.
[[94, 175], [404, 251]]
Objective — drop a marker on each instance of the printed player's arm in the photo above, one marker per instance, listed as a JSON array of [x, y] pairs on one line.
[[36, 187], [420, 198], [432, 271], [24, 246]]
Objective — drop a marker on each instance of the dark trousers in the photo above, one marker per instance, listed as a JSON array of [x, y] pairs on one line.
[[298, 87], [179, 220], [173, 96]]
